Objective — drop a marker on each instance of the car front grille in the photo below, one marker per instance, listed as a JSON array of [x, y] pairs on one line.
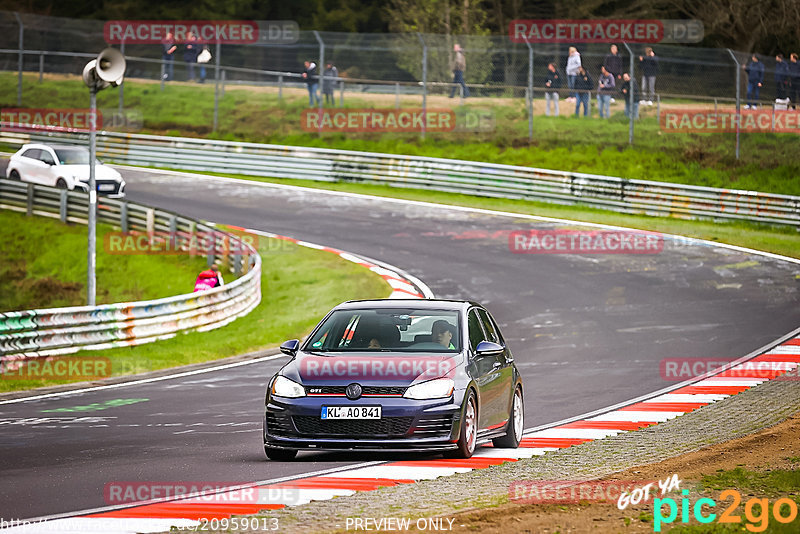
[[279, 424], [433, 426], [387, 427], [385, 391]]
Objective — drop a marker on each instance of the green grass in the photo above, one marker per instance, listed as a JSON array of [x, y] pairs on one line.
[[298, 286], [44, 266], [768, 161], [778, 240]]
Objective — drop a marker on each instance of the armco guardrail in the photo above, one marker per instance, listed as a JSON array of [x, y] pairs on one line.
[[468, 177], [35, 333]]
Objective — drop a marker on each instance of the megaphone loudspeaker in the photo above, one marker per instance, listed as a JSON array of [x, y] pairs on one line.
[[107, 69]]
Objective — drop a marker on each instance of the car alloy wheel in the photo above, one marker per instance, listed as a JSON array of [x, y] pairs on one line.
[[515, 426], [469, 430]]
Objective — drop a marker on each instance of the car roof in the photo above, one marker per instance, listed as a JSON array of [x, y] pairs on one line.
[[55, 145], [420, 304]]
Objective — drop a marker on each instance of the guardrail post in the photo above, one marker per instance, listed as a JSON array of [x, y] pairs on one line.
[[216, 88], [173, 229], [212, 249], [150, 221], [424, 80], [41, 66], [29, 210], [123, 217], [62, 207], [237, 263], [20, 58]]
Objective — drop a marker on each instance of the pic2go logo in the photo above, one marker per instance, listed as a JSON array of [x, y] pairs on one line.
[[756, 511]]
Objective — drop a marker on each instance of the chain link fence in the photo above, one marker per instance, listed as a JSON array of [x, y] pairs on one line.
[[414, 71]]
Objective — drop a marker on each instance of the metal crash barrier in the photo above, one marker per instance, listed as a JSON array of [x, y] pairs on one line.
[[455, 176], [47, 332]]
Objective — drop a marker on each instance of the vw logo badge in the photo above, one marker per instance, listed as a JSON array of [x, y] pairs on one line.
[[353, 391]]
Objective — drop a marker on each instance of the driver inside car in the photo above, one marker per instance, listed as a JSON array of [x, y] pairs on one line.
[[442, 332]]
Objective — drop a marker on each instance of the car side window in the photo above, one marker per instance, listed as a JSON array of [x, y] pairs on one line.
[[474, 328], [488, 326], [46, 157], [32, 153]]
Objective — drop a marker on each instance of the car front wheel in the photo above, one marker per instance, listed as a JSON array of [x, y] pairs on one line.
[[15, 175], [516, 422], [469, 430]]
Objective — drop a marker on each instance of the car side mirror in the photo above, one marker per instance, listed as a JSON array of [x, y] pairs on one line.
[[489, 348], [290, 347]]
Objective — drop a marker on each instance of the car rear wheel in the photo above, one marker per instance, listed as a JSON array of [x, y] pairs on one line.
[[15, 175], [469, 430], [279, 455], [516, 422], [61, 183]]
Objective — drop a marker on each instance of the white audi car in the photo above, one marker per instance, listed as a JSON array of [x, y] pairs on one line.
[[63, 166]]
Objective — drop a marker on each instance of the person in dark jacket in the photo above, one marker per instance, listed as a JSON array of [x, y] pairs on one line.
[[191, 50], [583, 88], [628, 92], [330, 80], [168, 56], [552, 84], [613, 64], [781, 77], [794, 80], [755, 81], [649, 64], [605, 88], [310, 77]]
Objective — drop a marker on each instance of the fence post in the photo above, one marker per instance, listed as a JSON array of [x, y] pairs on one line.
[[41, 66], [222, 85], [216, 87], [341, 92], [122, 85], [424, 80], [529, 89], [396, 95], [738, 97], [631, 103], [123, 217], [20, 58], [321, 79], [29, 210], [163, 72], [62, 208], [280, 86]]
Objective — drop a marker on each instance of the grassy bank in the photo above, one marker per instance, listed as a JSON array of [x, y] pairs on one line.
[[768, 161], [298, 286], [44, 266]]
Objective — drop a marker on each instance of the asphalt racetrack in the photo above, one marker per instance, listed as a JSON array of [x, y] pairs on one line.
[[587, 331]]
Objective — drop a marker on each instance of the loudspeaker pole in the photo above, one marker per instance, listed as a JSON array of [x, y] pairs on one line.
[[91, 288]]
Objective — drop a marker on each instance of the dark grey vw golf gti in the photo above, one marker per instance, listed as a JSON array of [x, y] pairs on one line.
[[391, 375]]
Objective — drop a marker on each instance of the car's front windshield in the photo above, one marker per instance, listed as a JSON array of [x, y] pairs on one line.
[[73, 156], [388, 330]]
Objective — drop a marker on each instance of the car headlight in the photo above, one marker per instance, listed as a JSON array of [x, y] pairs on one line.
[[439, 388], [283, 387]]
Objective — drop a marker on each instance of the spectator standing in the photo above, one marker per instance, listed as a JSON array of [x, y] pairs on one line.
[[573, 65], [794, 80], [583, 88], [310, 77], [755, 81], [605, 88], [781, 78], [628, 92], [613, 64], [649, 64], [190, 53], [168, 55], [459, 66], [552, 84], [203, 57], [329, 81]]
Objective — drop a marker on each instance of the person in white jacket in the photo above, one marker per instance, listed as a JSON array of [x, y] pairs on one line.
[[573, 64]]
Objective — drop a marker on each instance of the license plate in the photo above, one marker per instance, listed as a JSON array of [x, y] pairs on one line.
[[351, 412], [106, 187]]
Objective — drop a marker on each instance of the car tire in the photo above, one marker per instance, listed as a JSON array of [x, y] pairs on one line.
[[61, 183], [279, 455], [468, 436], [15, 175], [516, 423]]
